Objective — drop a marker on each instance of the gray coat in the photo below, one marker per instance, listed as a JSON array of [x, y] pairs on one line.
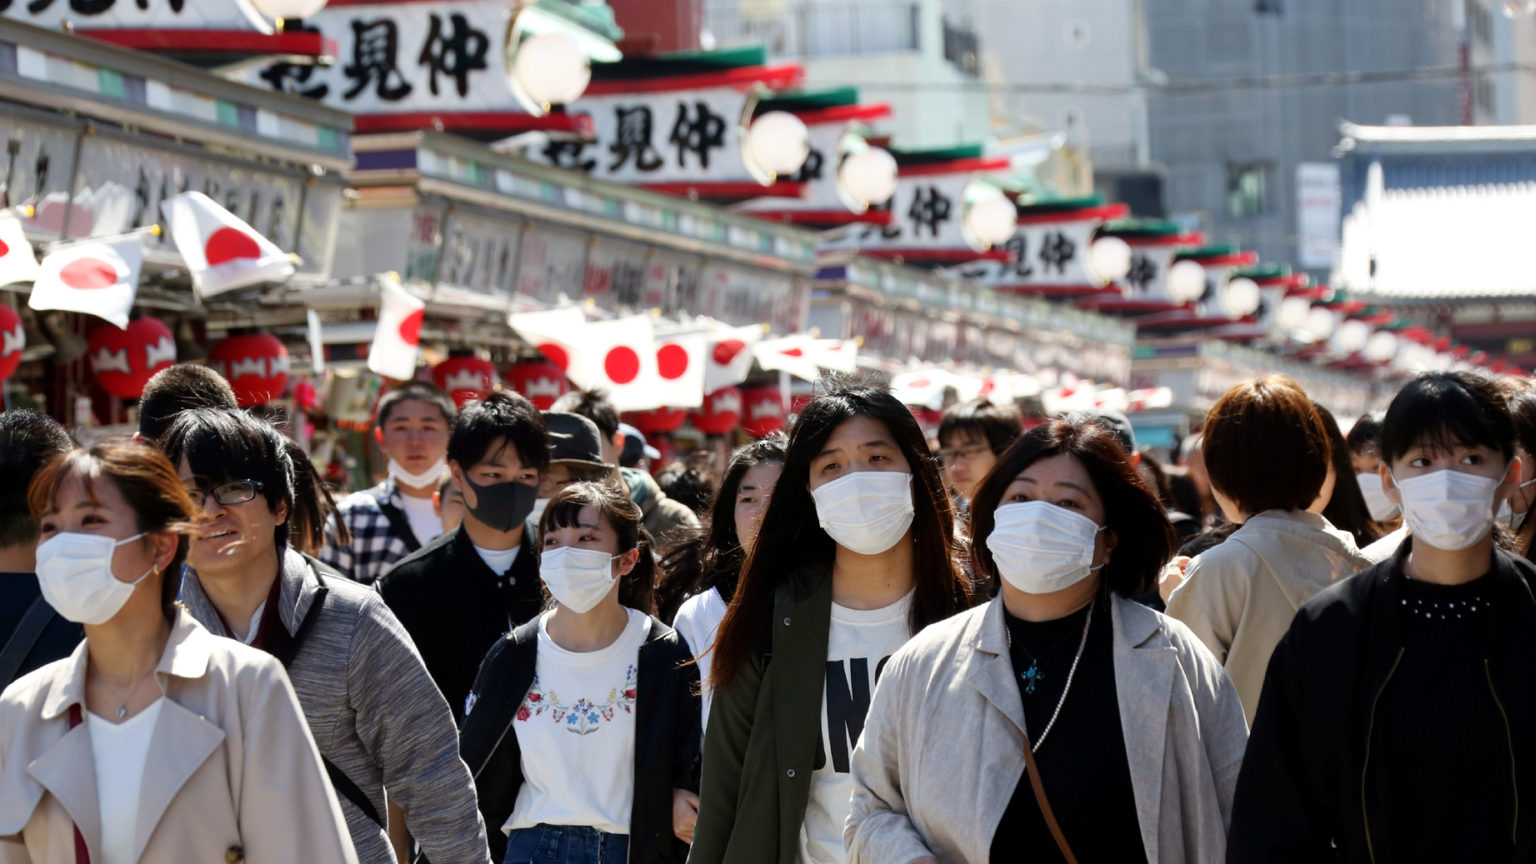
[[943, 743], [374, 713]]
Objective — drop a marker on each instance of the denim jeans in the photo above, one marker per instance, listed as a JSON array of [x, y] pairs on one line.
[[565, 844]]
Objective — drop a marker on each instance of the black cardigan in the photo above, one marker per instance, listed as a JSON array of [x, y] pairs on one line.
[[1306, 791], [666, 737]]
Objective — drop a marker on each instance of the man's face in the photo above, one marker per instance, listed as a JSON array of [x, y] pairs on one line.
[[415, 434], [500, 464]]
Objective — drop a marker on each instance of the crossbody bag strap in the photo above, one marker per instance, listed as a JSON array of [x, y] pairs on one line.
[[24, 639], [1033, 770], [398, 523]]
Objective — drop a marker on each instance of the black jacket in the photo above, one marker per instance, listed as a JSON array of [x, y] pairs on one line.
[[455, 608], [666, 737], [1307, 792], [59, 637]]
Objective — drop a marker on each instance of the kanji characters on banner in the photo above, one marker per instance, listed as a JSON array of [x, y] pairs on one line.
[[397, 339], [124, 358], [221, 251], [686, 136], [96, 277], [255, 364], [1041, 255], [17, 263]]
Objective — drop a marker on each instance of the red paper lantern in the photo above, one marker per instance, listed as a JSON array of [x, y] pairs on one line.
[[13, 338], [540, 381], [124, 359], [466, 378], [720, 413], [255, 364], [658, 421], [762, 410]]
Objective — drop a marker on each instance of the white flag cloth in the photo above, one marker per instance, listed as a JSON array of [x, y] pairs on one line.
[[619, 358], [221, 252], [96, 277], [397, 340], [556, 333], [728, 356], [805, 357], [17, 263], [680, 370]]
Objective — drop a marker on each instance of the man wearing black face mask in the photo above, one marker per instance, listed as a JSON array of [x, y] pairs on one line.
[[459, 593]]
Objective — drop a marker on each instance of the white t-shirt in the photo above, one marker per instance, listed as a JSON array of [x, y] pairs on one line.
[[859, 643], [423, 518], [499, 560], [576, 729], [120, 751], [698, 620]]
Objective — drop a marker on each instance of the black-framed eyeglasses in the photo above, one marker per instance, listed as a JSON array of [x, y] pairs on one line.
[[227, 494], [955, 454]]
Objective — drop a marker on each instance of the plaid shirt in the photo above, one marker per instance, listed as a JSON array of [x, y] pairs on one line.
[[376, 544]]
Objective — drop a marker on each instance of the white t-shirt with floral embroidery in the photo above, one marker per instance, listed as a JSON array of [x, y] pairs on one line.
[[576, 730]]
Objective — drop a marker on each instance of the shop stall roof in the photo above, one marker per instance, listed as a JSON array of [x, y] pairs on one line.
[[441, 165], [63, 72]]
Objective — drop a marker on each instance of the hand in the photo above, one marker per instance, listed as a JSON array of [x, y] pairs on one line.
[[1172, 576], [685, 813]]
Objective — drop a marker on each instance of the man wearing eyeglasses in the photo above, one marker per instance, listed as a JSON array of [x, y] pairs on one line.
[[971, 436]]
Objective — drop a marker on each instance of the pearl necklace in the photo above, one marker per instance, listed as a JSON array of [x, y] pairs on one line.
[[1071, 673]]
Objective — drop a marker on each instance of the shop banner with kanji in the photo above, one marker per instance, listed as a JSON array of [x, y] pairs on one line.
[[685, 136], [926, 212], [1040, 254], [228, 15], [819, 173], [405, 58], [1147, 278]]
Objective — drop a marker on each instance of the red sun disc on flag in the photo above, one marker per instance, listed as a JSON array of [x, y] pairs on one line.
[[4, 249], [410, 328], [88, 274], [230, 244], [556, 355], [792, 352], [671, 361], [622, 365], [727, 349]]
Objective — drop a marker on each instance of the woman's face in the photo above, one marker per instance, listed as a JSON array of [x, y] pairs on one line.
[[76, 510], [1062, 480], [230, 539], [859, 443], [752, 500], [591, 532]]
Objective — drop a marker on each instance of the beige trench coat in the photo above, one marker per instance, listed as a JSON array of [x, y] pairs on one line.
[[232, 772]]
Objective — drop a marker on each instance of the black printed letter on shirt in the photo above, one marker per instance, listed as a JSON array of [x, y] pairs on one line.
[[846, 707]]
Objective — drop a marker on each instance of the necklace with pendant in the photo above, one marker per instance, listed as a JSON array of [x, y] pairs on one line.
[[122, 704], [1033, 676]]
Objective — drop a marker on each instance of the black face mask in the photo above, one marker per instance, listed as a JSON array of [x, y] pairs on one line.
[[501, 506]]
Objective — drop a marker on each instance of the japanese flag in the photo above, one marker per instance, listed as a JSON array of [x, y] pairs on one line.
[[94, 277], [680, 370], [728, 356], [619, 358], [222, 253], [17, 263], [397, 340], [805, 357], [837, 355], [556, 333]]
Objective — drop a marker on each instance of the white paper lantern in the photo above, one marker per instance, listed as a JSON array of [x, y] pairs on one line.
[[1292, 314], [1381, 347], [289, 9], [1109, 258], [549, 69], [1185, 282], [867, 178], [990, 220], [778, 143], [1352, 336], [1320, 324], [1240, 297]]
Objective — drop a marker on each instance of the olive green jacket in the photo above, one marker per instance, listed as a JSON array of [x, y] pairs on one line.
[[760, 746]]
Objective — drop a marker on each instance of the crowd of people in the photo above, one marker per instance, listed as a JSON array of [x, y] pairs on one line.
[[847, 643]]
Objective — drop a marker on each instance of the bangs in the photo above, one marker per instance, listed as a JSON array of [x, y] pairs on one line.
[[43, 493], [613, 507], [1444, 411], [222, 454]]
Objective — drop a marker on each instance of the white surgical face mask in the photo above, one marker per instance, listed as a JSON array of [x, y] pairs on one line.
[[866, 511], [1382, 508], [1040, 548], [577, 578], [75, 572], [426, 478], [1448, 509], [1507, 515]]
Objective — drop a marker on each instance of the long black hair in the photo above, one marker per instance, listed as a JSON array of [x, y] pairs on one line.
[[613, 506], [713, 556], [792, 539], [221, 445], [1346, 509]]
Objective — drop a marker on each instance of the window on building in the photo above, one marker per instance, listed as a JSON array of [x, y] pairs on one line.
[[1247, 189]]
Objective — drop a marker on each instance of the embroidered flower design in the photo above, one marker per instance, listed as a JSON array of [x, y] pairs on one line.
[[584, 716]]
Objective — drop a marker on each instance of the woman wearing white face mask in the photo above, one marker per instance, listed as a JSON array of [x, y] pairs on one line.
[[1396, 720], [154, 741], [1515, 512], [854, 555], [1063, 720], [583, 725]]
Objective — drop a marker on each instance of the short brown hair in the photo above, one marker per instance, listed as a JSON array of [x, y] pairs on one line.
[[147, 481], [1266, 447]]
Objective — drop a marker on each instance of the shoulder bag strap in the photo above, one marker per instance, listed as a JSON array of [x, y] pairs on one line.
[[24, 639], [398, 524], [349, 790], [1033, 771]]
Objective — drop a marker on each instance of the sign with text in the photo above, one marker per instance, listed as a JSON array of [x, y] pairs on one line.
[[1052, 253], [1317, 213], [926, 215], [237, 15]]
